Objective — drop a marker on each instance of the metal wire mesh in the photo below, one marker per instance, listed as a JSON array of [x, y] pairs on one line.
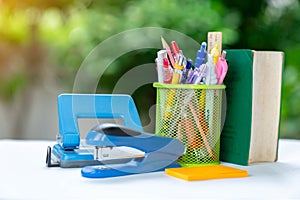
[[194, 117]]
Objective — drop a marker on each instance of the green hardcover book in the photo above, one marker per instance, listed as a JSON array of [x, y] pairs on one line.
[[253, 95]]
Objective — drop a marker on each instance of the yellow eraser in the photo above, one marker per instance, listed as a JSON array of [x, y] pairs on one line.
[[206, 172]]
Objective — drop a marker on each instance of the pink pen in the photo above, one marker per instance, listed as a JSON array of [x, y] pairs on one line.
[[175, 50], [221, 68]]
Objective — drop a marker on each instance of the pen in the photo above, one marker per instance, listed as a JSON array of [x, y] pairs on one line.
[[167, 113], [190, 74], [201, 75], [221, 68], [193, 76], [186, 70], [171, 94], [178, 67], [175, 50], [202, 94], [201, 114], [203, 136], [201, 55], [177, 72], [200, 59], [194, 141], [188, 96]]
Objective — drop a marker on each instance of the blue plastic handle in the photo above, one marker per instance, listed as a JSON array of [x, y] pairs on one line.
[[74, 106], [160, 152], [104, 171]]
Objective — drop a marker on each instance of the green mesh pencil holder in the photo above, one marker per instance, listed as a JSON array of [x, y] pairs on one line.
[[192, 114]]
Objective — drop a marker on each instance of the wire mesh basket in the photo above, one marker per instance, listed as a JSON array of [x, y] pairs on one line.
[[192, 114]]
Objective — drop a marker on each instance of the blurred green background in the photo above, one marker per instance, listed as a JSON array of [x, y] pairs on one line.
[[43, 43]]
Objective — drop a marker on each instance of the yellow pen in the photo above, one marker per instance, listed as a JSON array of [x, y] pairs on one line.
[[177, 73], [178, 67], [216, 53]]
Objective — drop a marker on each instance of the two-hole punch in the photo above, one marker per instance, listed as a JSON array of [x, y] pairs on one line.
[[108, 149]]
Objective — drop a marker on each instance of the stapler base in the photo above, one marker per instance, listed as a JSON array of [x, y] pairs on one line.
[[58, 157]]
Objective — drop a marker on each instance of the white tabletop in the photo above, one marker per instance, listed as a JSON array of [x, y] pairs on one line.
[[23, 175]]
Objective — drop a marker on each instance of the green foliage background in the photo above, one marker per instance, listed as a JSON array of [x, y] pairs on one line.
[[61, 33]]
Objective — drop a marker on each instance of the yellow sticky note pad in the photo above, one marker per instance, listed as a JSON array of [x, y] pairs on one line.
[[206, 172]]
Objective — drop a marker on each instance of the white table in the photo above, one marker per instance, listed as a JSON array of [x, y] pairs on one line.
[[23, 175]]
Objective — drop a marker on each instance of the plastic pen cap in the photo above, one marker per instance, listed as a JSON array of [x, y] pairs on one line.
[[180, 60], [179, 64], [166, 62], [175, 48], [201, 55], [189, 64], [161, 54], [223, 56]]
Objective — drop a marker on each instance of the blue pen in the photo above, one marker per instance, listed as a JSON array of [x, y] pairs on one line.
[[189, 76], [201, 55], [201, 75], [193, 76], [200, 59], [186, 71]]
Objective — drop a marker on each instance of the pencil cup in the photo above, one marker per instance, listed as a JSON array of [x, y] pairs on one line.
[[192, 114]]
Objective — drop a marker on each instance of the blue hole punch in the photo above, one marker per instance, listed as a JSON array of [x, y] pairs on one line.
[[68, 151]]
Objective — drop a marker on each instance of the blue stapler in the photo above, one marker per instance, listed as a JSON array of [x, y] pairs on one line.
[[159, 152], [69, 150]]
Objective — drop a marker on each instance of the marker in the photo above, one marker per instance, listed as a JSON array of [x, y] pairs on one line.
[[211, 78], [167, 47], [201, 55], [178, 67], [160, 66], [168, 71], [221, 68]]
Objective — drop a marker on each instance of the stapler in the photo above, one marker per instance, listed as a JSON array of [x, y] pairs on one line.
[[70, 151], [159, 152]]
